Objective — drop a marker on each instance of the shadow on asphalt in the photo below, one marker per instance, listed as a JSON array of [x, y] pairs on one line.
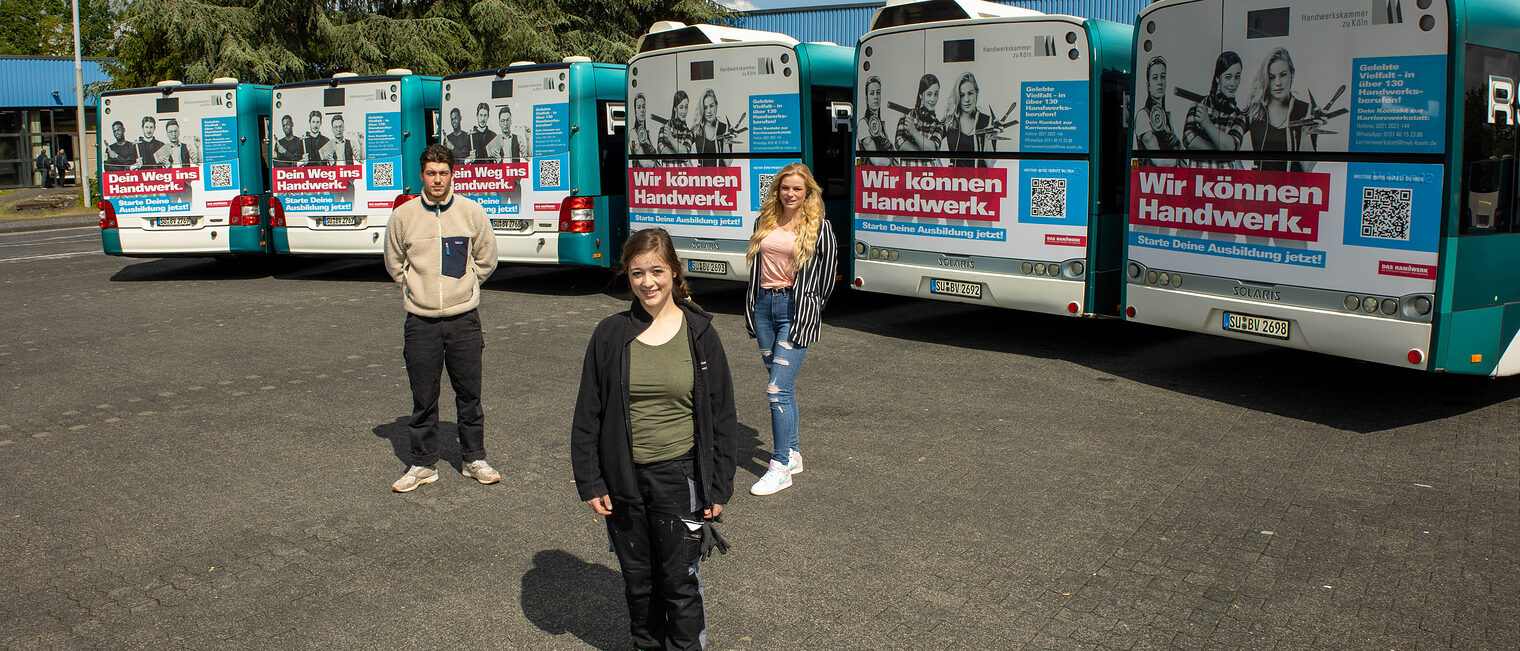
[[1341, 393], [564, 594], [556, 281], [401, 444], [227, 268]]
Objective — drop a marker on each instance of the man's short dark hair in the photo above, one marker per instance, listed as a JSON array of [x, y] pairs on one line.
[[483, 107], [314, 114], [117, 124], [287, 118], [171, 122], [454, 112], [436, 153], [148, 119], [505, 110]]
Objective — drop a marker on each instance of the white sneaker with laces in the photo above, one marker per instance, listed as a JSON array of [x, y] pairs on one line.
[[415, 476], [480, 471], [794, 462], [775, 479]]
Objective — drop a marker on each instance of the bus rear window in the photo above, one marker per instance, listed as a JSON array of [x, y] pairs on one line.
[[701, 70], [1267, 23], [332, 97], [960, 51], [501, 88], [167, 105]]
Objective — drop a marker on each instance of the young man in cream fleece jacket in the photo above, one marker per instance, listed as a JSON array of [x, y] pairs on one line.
[[439, 247]]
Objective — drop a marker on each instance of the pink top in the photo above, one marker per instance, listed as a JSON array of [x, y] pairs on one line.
[[776, 270]]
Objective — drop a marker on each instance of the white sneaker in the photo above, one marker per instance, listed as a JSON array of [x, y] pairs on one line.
[[775, 479], [415, 476], [794, 462]]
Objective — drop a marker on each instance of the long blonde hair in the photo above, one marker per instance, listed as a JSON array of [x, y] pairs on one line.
[[809, 216]]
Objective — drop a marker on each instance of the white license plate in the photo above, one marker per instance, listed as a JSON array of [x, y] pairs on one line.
[[718, 267], [1256, 325], [510, 224], [340, 220], [172, 221], [955, 288]]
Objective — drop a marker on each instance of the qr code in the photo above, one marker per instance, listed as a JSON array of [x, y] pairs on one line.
[[765, 184], [1386, 213], [1047, 198], [221, 175], [548, 172], [385, 174]]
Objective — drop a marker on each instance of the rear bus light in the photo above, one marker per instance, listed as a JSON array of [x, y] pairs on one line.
[[107, 214], [401, 199], [244, 211], [276, 213], [577, 215]]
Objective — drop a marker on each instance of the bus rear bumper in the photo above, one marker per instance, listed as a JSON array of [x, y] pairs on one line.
[[1357, 336], [1034, 294], [308, 241], [528, 248]]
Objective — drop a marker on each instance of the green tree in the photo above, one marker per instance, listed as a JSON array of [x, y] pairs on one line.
[[46, 27], [281, 41]]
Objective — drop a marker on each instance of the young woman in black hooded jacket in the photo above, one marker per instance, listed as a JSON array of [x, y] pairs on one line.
[[653, 441]]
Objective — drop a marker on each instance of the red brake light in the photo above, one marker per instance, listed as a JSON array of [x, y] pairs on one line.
[[1416, 356], [1130, 311], [577, 215], [401, 199], [107, 214], [276, 213], [244, 211], [1072, 307]]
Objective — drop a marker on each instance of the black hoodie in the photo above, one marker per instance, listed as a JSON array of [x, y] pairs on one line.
[[601, 438]]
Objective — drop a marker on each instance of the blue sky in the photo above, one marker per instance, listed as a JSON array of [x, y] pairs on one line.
[[779, 4]]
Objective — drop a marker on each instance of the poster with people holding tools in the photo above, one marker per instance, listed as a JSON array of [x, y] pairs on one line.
[[510, 134], [966, 136], [337, 149], [170, 157], [1251, 159], [696, 121]]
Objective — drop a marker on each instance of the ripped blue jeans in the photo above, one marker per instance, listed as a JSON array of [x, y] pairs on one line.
[[783, 360]]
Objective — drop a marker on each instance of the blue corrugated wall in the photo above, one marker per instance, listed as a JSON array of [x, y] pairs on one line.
[[845, 24], [30, 82]]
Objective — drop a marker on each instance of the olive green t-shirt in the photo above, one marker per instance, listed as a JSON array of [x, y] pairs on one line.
[[660, 398]]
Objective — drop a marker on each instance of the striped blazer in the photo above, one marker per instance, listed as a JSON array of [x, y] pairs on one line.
[[811, 287]]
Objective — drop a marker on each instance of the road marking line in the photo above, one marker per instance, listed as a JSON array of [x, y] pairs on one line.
[[53, 256]]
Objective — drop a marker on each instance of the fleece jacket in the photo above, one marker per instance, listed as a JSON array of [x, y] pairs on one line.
[[440, 253]]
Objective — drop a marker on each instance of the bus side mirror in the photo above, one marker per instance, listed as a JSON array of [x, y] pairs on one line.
[[842, 117]]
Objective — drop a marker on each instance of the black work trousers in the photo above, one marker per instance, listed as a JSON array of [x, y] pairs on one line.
[[658, 554], [431, 345]]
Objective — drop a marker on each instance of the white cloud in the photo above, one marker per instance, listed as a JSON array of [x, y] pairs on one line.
[[738, 5]]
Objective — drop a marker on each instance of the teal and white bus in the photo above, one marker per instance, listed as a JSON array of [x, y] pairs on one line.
[[181, 170], [989, 148], [540, 147], [342, 153], [1330, 175], [714, 113]]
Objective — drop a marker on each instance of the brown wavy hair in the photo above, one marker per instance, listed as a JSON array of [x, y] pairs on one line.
[[656, 240]]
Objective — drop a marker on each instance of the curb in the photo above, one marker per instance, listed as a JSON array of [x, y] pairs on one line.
[[28, 224]]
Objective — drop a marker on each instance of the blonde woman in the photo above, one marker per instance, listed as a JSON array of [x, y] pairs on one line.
[[792, 262]]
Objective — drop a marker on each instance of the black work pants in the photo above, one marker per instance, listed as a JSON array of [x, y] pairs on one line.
[[431, 345], [658, 555]]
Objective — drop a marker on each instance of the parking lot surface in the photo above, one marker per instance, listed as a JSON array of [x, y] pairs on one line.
[[199, 454]]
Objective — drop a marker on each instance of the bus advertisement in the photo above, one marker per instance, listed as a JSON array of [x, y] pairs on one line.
[[180, 169], [715, 112], [980, 134], [1296, 184], [526, 139], [343, 150]]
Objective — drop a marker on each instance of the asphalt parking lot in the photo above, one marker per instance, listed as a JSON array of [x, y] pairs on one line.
[[200, 453]]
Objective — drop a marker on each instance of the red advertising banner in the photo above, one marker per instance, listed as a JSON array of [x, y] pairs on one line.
[[972, 193], [1406, 270], [488, 177], [684, 188], [1282, 205], [151, 181], [316, 179], [1065, 240]]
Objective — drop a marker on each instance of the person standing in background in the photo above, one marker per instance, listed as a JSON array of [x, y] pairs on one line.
[[439, 247]]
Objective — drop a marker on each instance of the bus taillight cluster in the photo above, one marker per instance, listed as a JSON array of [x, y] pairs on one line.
[[577, 215], [107, 214], [244, 211]]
